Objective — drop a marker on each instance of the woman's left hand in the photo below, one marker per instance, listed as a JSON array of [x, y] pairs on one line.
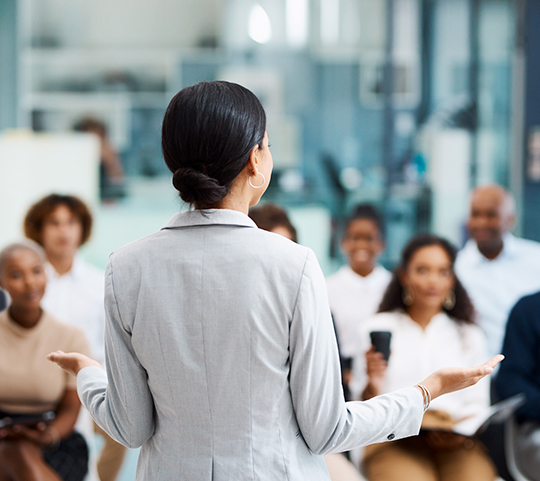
[[38, 435], [451, 379], [72, 362], [8, 434]]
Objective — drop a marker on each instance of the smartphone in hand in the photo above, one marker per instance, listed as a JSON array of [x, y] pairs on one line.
[[27, 419], [381, 342]]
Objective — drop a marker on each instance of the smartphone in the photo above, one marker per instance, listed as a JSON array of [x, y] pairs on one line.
[[27, 419], [381, 342], [3, 301]]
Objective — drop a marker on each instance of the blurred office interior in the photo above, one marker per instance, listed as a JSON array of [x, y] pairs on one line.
[[403, 103]]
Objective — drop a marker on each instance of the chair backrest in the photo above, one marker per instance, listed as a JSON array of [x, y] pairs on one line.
[[509, 436]]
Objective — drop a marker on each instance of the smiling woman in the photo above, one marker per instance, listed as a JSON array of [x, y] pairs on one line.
[[356, 290], [430, 318], [30, 389], [425, 283], [61, 224]]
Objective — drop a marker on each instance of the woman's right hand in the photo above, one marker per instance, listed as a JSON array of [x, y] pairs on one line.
[[450, 379], [376, 372]]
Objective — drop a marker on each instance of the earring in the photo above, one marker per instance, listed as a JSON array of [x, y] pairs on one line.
[[450, 301], [257, 186], [407, 296]]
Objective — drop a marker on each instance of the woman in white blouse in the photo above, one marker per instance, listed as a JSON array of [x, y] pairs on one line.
[[430, 316], [356, 290]]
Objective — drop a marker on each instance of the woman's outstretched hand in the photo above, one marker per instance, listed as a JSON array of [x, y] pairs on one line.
[[450, 379], [72, 362]]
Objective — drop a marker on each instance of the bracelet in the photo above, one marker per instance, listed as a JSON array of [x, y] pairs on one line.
[[426, 395], [55, 438]]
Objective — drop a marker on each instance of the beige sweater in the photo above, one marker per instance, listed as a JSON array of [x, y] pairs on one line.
[[28, 381]]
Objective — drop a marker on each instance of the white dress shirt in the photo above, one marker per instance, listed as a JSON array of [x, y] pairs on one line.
[[496, 285], [77, 298], [222, 361], [354, 299], [416, 353]]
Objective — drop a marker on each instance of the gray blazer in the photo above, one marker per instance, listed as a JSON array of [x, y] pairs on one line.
[[222, 360]]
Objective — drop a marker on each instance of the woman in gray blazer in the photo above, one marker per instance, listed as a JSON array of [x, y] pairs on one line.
[[221, 356]]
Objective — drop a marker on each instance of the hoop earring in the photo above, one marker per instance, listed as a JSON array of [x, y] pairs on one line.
[[407, 296], [257, 186], [450, 301]]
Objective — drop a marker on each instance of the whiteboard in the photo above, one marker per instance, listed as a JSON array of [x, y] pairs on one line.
[[33, 165]]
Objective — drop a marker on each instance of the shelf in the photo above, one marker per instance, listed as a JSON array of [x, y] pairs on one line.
[[105, 57], [92, 100]]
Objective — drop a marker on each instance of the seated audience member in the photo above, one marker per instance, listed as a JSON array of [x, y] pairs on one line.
[[356, 290], [495, 267], [430, 317], [75, 289], [273, 218], [111, 173], [29, 385], [520, 373]]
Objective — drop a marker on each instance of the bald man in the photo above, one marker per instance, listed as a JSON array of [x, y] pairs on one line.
[[496, 268]]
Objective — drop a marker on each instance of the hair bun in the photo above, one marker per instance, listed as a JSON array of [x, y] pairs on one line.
[[195, 187], [209, 131]]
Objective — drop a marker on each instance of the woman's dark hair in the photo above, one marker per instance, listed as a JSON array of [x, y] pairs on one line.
[[38, 213], [209, 130], [463, 309], [365, 211], [269, 216]]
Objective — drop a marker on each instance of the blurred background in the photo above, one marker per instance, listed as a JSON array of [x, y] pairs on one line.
[[407, 104], [403, 103]]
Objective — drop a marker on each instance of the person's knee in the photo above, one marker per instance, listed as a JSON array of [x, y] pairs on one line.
[[472, 464], [396, 462]]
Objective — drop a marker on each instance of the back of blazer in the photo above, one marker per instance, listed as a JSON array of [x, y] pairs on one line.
[[222, 361]]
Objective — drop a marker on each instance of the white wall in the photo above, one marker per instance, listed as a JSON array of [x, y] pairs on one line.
[[35, 165]]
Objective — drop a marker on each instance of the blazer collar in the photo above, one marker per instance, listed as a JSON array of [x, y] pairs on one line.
[[209, 217]]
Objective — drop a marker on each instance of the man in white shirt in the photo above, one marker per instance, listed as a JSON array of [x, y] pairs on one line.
[[356, 290], [75, 289], [495, 267]]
